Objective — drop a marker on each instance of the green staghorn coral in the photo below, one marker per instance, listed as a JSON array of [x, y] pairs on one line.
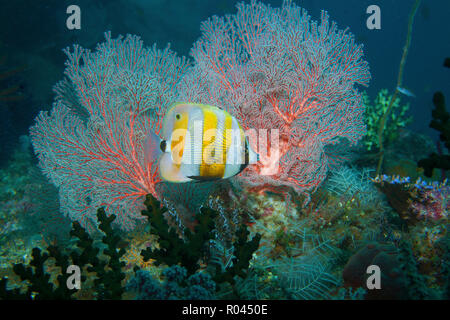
[[101, 260], [374, 113]]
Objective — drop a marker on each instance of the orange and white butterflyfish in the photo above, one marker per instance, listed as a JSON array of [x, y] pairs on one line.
[[199, 143]]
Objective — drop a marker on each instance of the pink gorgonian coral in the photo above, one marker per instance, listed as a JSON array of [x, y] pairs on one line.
[[275, 68], [90, 145]]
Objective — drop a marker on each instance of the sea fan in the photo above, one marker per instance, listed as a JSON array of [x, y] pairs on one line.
[[304, 277], [349, 182], [252, 288]]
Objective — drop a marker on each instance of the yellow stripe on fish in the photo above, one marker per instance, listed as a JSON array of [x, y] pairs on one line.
[[179, 137], [228, 136], [214, 144]]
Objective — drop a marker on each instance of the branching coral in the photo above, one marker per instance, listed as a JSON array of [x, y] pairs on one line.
[[90, 146], [303, 270], [282, 74], [375, 110], [351, 183], [172, 248], [176, 285], [347, 218], [190, 250], [441, 123], [385, 116], [304, 278], [103, 261], [295, 259]]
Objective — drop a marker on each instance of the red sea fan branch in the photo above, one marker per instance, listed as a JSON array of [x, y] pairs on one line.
[[274, 68]]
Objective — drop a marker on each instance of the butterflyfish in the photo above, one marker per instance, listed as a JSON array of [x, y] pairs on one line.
[[199, 143]]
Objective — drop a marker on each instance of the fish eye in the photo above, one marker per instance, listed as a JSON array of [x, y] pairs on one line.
[[178, 116]]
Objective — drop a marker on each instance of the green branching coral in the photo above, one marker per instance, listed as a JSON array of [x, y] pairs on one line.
[[172, 249], [39, 284], [374, 113], [183, 255], [191, 249], [103, 261], [109, 274], [243, 251]]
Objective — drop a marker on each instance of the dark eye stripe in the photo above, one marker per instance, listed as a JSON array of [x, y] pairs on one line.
[[163, 145], [247, 158]]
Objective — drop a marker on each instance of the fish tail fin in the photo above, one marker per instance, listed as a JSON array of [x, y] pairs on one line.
[[152, 147]]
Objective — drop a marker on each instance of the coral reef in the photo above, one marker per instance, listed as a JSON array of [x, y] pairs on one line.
[[298, 262], [189, 250], [29, 213], [300, 255], [416, 282], [386, 257], [303, 277], [441, 123], [40, 287], [176, 285], [307, 229], [350, 182], [423, 208], [172, 248], [416, 200], [262, 65], [400, 276], [242, 254], [101, 262], [90, 145]]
